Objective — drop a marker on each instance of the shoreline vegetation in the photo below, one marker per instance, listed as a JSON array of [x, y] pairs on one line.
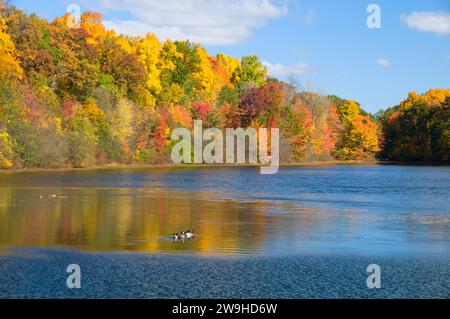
[[189, 166], [117, 166], [76, 95]]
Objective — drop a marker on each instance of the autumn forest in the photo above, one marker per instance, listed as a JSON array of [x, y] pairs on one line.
[[78, 95]]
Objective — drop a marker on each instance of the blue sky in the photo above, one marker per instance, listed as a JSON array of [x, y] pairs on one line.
[[324, 44]]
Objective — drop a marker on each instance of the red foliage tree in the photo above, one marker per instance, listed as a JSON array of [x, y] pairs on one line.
[[257, 101]]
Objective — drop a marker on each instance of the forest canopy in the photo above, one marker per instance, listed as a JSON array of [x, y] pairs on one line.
[[80, 95]]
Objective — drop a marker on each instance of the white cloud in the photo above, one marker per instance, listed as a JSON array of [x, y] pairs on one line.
[[210, 22], [280, 70], [384, 63], [435, 22]]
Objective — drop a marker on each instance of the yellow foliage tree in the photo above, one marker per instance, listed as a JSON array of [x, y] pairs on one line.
[[169, 56], [92, 22], [6, 151], [205, 77], [124, 43], [66, 20], [9, 66], [231, 65], [120, 123], [95, 115], [172, 92], [148, 51], [431, 97], [360, 135]]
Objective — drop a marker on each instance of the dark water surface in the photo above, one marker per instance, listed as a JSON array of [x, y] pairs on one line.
[[42, 274], [303, 220]]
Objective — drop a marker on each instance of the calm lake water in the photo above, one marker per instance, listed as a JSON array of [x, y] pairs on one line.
[[331, 210]]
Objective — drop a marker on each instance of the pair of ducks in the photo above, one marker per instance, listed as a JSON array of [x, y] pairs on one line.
[[184, 235]]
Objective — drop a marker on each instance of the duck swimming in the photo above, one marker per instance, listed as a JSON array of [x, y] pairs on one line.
[[184, 235], [189, 234]]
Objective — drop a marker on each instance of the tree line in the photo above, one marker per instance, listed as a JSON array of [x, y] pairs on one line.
[[80, 95]]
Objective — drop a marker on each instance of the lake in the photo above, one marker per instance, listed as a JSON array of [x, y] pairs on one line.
[[307, 216]]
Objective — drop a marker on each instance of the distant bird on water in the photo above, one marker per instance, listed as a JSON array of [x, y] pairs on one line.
[[184, 235], [189, 234]]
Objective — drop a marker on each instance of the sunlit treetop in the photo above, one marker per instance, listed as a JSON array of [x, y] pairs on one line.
[[431, 97]]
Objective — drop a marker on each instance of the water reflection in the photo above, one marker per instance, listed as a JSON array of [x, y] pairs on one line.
[[125, 220], [141, 220]]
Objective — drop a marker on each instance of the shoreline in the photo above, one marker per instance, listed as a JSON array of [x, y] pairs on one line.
[[114, 166]]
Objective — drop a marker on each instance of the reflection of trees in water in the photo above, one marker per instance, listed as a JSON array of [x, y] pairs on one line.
[[142, 220], [130, 220]]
